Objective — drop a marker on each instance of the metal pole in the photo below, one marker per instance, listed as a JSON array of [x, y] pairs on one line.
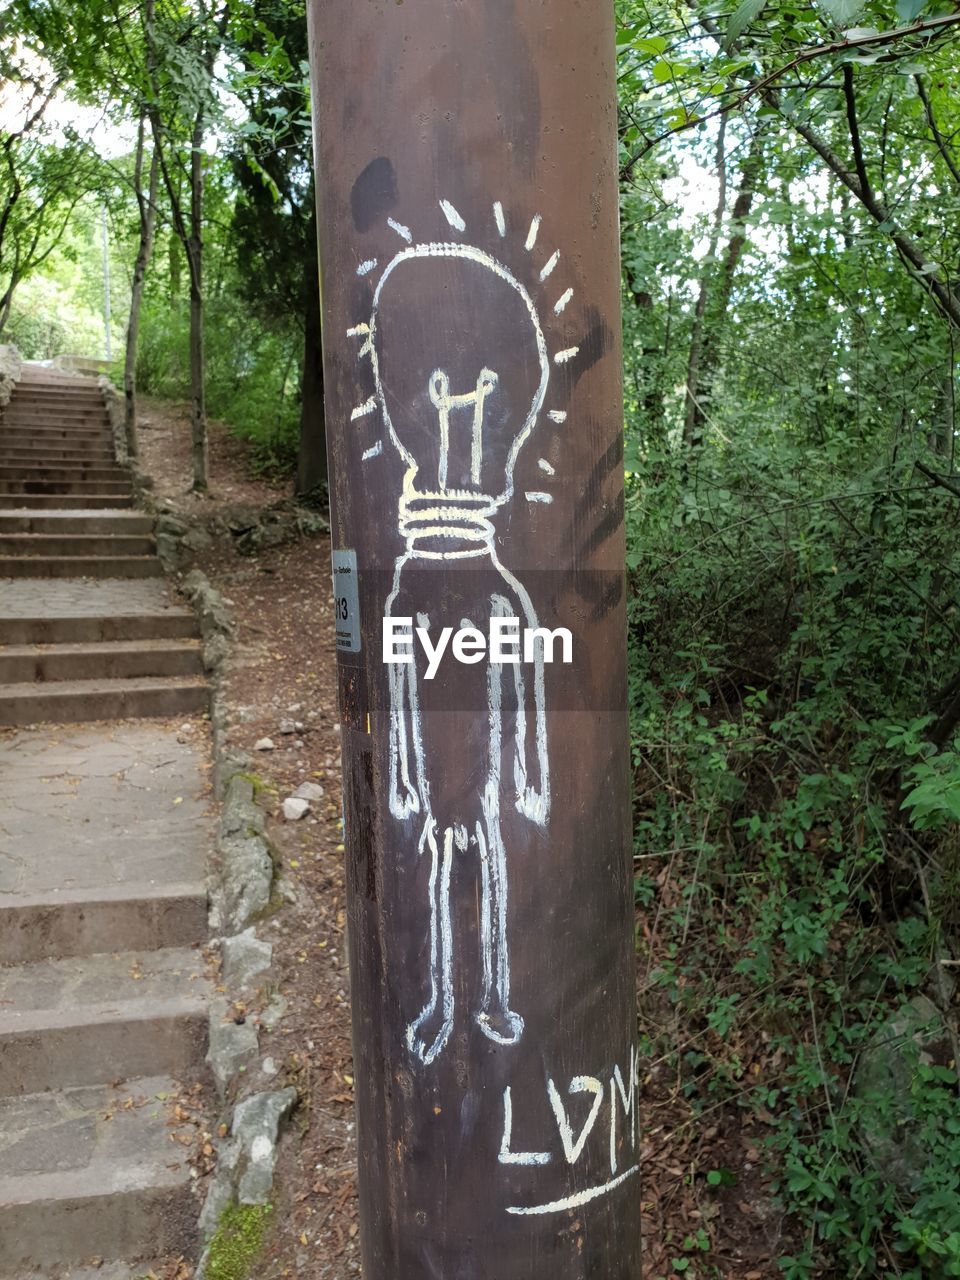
[[106, 282], [467, 193]]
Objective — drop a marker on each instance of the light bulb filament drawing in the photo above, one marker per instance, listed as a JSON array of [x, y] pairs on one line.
[[444, 402]]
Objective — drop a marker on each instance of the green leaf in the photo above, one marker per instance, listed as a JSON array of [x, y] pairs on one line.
[[909, 10], [842, 11], [745, 13]]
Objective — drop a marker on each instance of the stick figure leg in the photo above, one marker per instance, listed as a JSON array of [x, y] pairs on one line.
[[496, 1019], [428, 1033]]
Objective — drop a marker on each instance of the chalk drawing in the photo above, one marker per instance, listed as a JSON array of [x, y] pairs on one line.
[[563, 356], [562, 301], [362, 410], [452, 216], [550, 264], [507, 1156], [609, 1098], [447, 516]]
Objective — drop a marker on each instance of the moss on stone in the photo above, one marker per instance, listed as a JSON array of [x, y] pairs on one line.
[[237, 1241]]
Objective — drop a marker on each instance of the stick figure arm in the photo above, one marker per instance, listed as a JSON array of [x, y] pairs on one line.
[[404, 794], [531, 770]]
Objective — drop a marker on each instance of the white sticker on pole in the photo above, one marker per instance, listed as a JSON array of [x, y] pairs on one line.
[[346, 597]]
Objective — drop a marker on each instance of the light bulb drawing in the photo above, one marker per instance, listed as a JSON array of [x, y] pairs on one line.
[[461, 371]]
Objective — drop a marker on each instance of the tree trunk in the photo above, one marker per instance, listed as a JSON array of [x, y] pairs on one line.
[[312, 456], [198, 408], [147, 219], [693, 415], [705, 349], [471, 319]]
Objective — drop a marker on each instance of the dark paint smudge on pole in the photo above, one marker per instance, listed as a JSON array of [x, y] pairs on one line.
[[467, 196]]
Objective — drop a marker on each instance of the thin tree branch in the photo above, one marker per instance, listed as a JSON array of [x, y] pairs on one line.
[[934, 129], [808, 54]]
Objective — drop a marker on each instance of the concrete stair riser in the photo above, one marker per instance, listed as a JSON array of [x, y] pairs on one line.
[[62, 502], [58, 422], [76, 544], [97, 630], [67, 924], [63, 1050], [64, 471], [41, 457], [57, 438], [35, 566], [74, 702], [95, 523], [118, 661], [116, 488], [69, 1219], [60, 414]]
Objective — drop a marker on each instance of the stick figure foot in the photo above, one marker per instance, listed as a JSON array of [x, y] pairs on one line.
[[500, 1025], [428, 1033]]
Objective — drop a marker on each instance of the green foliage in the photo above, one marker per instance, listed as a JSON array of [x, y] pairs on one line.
[[238, 1241], [252, 373]]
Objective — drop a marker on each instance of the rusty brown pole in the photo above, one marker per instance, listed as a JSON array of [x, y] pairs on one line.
[[467, 196]]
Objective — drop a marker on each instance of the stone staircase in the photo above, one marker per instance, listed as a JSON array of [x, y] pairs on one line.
[[88, 628], [104, 841], [103, 997]]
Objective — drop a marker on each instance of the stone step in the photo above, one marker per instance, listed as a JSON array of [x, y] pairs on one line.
[[107, 1269], [64, 523], [81, 922], [31, 387], [60, 502], [33, 416], [75, 441], [89, 446], [73, 701], [88, 1019], [120, 660], [40, 566], [58, 421], [95, 1173], [41, 456], [75, 544], [39, 487], [105, 840], [69, 471], [95, 629], [27, 393]]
